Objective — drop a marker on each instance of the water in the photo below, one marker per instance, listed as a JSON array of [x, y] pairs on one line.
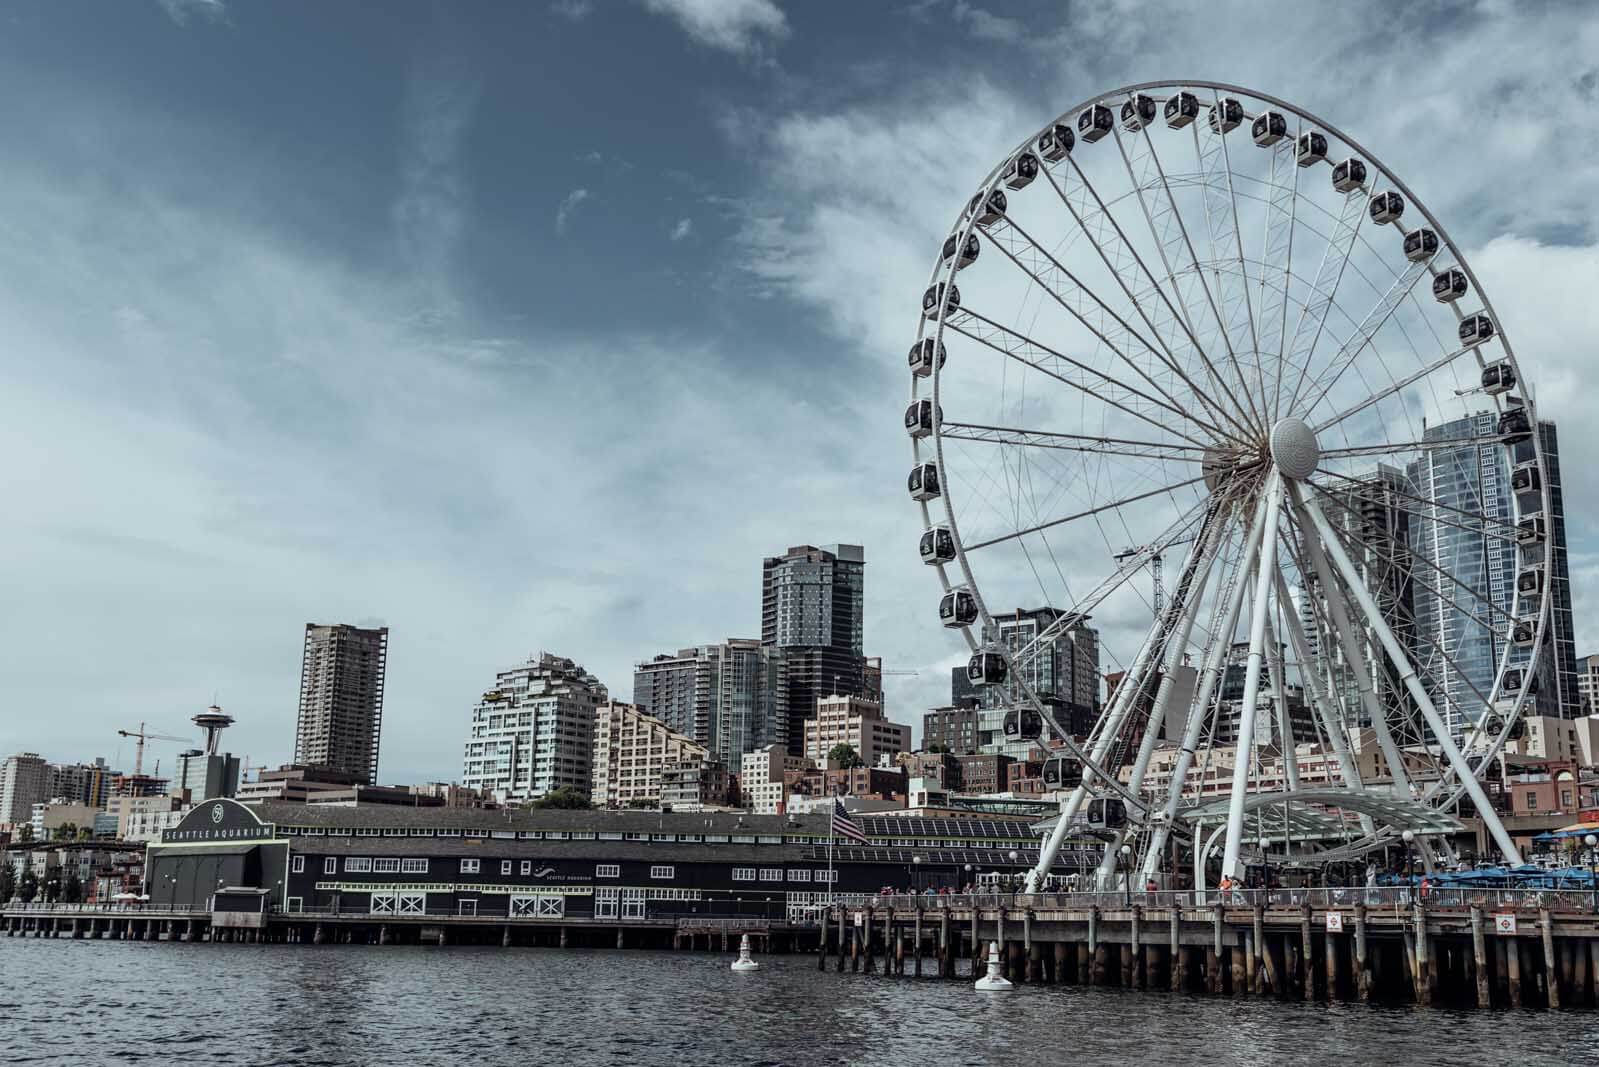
[[82, 1002]]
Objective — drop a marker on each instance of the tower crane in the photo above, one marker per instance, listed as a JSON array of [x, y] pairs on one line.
[[143, 736], [1154, 571]]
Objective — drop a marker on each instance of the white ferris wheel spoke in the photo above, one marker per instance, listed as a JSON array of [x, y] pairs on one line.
[[1071, 442], [1387, 391], [1112, 245], [1063, 287]]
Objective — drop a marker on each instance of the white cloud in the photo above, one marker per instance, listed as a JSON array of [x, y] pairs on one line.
[[683, 229], [576, 10], [987, 26], [180, 10], [569, 204], [431, 210], [742, 27]]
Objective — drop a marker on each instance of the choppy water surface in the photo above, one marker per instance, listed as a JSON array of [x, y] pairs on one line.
[[66, 1002]]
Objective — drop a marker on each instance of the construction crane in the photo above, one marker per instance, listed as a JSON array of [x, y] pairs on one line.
[[143, 736], [1154, 570]]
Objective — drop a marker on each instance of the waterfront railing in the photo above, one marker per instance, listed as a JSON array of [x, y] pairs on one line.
[[1397, 897]]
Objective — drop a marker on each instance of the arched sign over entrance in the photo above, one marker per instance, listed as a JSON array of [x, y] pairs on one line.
[[219, 820]]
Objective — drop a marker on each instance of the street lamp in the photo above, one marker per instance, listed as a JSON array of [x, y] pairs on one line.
[[1126, 853], [916, 862], [1409, 837], [1014, 877], [1593, 868], [968, 884]]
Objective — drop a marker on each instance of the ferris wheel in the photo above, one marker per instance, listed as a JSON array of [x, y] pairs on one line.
[[1193, 324]]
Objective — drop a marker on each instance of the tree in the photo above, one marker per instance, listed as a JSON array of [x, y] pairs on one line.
[[8, 879], [936, 748], [565, 798], [25, 834], [72, 891], [29, 887], [67, 831], [845, 756]]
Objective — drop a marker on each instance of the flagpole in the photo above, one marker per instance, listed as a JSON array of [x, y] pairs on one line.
[[832, 830]]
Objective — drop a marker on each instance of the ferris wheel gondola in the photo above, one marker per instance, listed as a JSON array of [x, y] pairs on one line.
[[1178, 340]]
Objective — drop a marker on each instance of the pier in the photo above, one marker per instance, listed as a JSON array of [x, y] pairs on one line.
[[1484, 948]]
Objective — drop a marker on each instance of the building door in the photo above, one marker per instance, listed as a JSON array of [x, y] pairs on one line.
[[410, 903], [632, 903], [468, 907]]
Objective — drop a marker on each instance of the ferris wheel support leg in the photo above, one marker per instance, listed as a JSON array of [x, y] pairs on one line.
[[1107, 729], [1350, 645], [1201, 860], [1287, 749], [1257, 640], [1412, 683], [1191, 589], [1221, 642]]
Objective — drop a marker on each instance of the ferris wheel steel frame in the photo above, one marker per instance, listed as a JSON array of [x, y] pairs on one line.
[[1263, 492]]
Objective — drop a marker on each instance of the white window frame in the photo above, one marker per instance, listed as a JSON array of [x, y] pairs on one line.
[[771, 874], [471, 865], [799, 874], [606, 898], [607, 870], [505, 866], [527, 867], [664, 871], [297, 865], [743, 874], [294, 904], [330, 865], [386, 865], [824, 876], [414, 866]]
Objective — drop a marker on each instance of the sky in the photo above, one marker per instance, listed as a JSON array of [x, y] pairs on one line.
[[536, 326]]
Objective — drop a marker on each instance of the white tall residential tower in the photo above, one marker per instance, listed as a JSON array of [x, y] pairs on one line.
[[533, 732]]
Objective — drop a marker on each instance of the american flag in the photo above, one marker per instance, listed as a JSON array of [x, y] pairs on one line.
[[844, 825]]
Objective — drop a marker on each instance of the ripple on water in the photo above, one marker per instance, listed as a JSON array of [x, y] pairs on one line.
[[326, 1006]]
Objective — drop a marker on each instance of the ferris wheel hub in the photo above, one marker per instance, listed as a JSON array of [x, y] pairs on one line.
[[1294, 448]]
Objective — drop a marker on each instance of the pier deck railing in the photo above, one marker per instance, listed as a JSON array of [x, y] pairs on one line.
[[1392, 897]]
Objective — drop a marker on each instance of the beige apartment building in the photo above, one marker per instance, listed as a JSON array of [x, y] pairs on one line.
[[761, 780], [631, 749], [857, 722]]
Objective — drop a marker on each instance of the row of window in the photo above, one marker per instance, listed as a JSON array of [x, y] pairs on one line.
[[365, 865], [776, 874], [473, 865]]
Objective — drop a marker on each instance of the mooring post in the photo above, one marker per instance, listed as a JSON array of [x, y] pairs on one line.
[[977, 947], [1513, 969], [1330, 944], [1426, 979], [867, 963], [1004, 946], [1479, 958], [1362, 975], [1546, 928], [946, 961], [843, 950]]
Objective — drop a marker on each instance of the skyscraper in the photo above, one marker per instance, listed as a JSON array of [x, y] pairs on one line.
[[731, 698], [24, 782], [812, 610], [341, 699], [1062, 671], [1477, 479], [533, 732]]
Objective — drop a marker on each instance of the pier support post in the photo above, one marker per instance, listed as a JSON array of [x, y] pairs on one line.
[[977, 948], [1513, 969], [855, 949], [1593, 968], [317, 935], [1330, 944], [1426, 979], [562, 941], [384, 935], [868, 964], [1030, 967], [1060, 962], [946, 959], [1216, 954], [1135, 950], [1174, 947], [1096, 956], [916, 964], [1004, 947], [1546, 929], [1479, 958], [841, 938], [1362, 973], [1084, 967], [1260, 977], [1307, 948]]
